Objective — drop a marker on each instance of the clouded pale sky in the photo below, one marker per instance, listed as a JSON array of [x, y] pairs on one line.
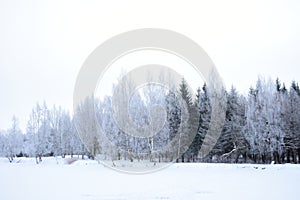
[[43, 44]]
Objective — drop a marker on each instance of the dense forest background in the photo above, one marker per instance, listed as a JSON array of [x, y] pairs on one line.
[[261, 127]]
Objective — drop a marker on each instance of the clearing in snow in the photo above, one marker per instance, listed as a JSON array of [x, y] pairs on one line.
[[59, 179]]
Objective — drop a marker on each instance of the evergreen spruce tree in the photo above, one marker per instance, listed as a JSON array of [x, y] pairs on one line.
[[292, 122], [190, 137]]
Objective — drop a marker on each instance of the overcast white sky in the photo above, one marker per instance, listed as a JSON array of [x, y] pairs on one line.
[[43, 44]]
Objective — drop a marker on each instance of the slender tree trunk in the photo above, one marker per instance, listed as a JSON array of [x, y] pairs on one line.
[[263, 158], [276, 157], [294, 157], [299, 155], [254, 158], [245, 157], [83, 150], [288, 156], [283, 158], [237, 158], [279, 158]]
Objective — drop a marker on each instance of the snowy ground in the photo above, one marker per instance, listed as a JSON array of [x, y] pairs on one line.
[[87, 180]]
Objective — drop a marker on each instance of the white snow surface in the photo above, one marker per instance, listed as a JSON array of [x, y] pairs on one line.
[[55, 179]]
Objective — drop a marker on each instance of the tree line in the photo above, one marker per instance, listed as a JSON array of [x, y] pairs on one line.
[[262, 127], [49, 132]]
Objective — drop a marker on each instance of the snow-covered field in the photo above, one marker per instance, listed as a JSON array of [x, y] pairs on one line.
[[87, 180]]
